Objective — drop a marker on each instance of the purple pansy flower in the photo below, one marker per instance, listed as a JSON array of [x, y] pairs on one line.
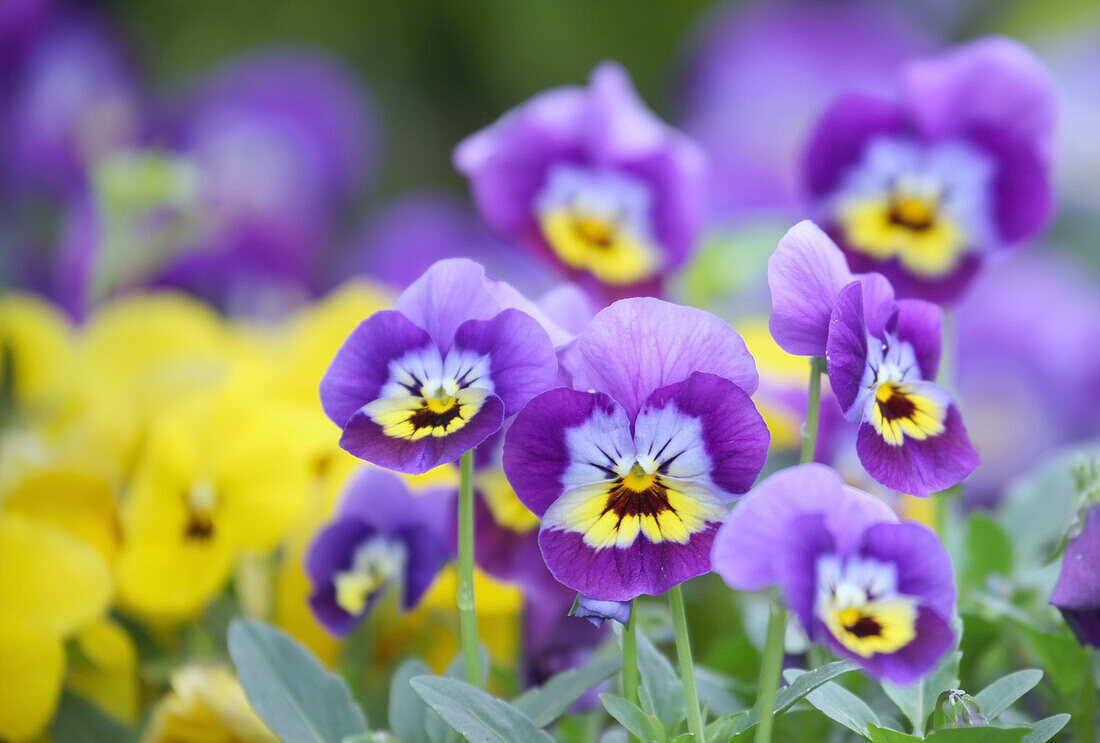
[[922, 188], [882, 357], [874, 590], [592, 180], [761, 72], [631, 471], [1077, 593], [382, 537], [416, 386]]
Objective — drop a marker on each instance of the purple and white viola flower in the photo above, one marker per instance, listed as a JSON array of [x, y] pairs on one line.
[[924, 187], [1077, 593], [871, 588], [382, 538], [631, 471], [592, 180], [882, 357], [417, 386]]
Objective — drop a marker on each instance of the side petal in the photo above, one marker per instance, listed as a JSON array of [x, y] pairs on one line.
[[637, 346], [919, 467], [522, 362], [32, 665], [806, 538], [705, 428], [366, 439], [333, 549], [562, 439], [922, 564], [745, 549], [361, 366], [846, 351], [920, 324], [426, 555]]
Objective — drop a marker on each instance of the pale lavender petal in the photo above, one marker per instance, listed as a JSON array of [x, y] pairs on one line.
[[522, 363], [637, 346], [449, 293], [597, 612]]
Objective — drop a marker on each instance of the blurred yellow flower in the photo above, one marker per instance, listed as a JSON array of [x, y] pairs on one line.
[[104, 668], [221, 471], [783, 378], [206, 705], [53, 584]]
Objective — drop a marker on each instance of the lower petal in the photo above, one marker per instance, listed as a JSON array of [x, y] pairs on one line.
[[32, 663], [919, 467]]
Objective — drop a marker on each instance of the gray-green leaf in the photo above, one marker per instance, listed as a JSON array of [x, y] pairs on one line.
[[977, 735], [645, 727], [918, 700], [797, 689], [838, 704], [407, 711], [544, 704], [481, 718], [1002, 693], [78, 720], [1046, 728], [289, 689], [662, 690]]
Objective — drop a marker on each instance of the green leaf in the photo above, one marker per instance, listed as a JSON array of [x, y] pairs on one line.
[[723, 728], [479, 717], [977, 735], [886, 735], [546, 703], [78, 720], [662, 691], [289, 689], [1066, 663], [1000, 695], [795, 690], [407, 711], [838, 704], [917, 701], [646, 727], [988, 550], [1046, 728]]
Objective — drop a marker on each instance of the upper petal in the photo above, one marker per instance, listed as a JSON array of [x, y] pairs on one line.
[[922, 564], [637, 346], [361, 366], [920, 324]]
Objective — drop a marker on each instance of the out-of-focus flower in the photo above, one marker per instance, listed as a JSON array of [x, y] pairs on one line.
[[53, 585], [73, 101], [382, 538], [592, 180], [416, 386], [874, 590], [206, 704], [1046, 364], [104, 668], [923, 188], [597, 612], [281, 141], [221, 471], [761, 73], [1077, 593], [631, 476], [882, 356]]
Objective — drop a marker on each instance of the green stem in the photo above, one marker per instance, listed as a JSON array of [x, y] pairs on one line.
[[771, 664], [687, 666], [467, 613], [631, 678]]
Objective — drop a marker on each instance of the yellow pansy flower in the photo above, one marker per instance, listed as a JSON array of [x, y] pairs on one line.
[[206, 705]]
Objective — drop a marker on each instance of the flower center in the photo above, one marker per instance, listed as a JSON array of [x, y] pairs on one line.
[[908, 410], [374, 565], [599, 222], [913, 212], [201, 501], [859, 604]]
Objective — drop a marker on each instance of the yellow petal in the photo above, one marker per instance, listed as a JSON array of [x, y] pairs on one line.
[[32, 663], [105, 669], [38, 337], [48, 578], [80, 501]]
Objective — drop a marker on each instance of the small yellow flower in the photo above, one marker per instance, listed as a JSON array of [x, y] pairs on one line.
[[206, 705]]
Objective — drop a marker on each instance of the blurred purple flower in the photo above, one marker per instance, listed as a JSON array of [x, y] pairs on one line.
[[1077, 593], [382, 537], [923, 188], [874, 590], [592, 180], [761, 72], [282, 140], [72, 101]]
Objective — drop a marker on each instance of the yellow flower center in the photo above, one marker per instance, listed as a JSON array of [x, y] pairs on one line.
[[901, 411], [909, 228], [884, 626], [601, 246]]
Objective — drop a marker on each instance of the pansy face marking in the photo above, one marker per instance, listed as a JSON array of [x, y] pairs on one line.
[[642, 486], [201, 501], [600, 222], [925, 206], [376, 563], [429, 395], [858, 602], [898, 402]]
